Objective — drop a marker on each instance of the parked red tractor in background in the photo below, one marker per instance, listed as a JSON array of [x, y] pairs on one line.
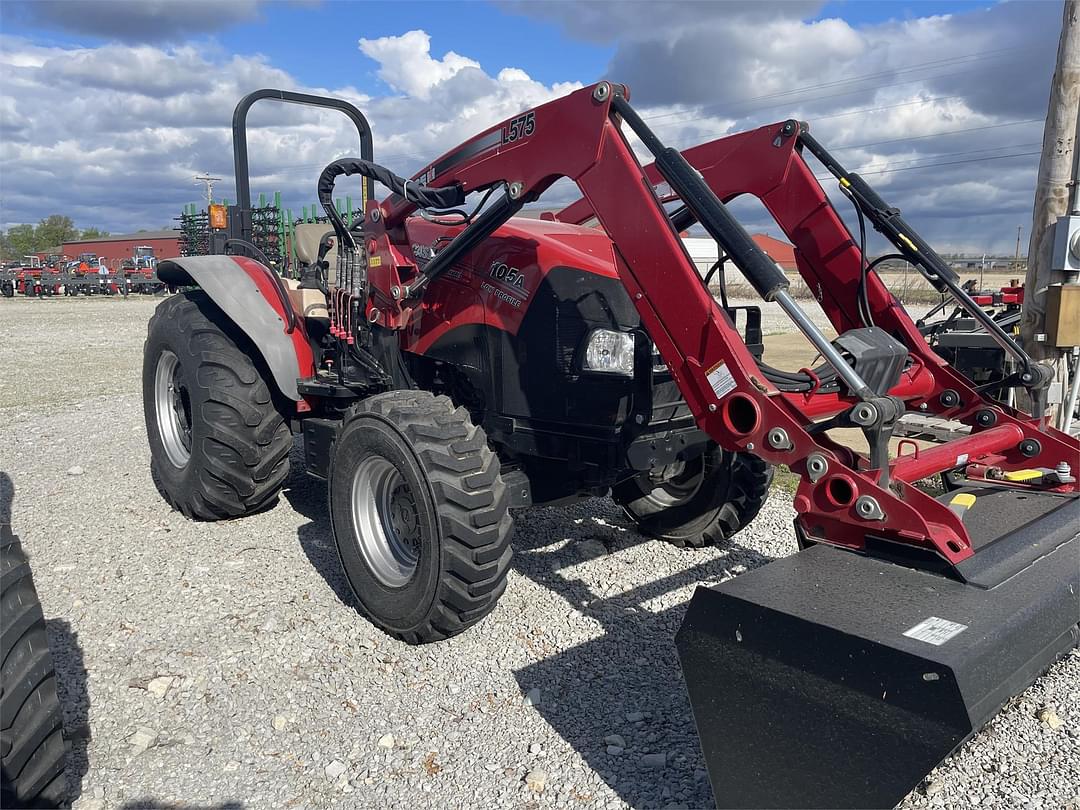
[[446, 361]]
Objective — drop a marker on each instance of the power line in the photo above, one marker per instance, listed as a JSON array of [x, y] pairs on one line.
[[934, 165], [937, 134], [973, 57], [934, 155], [726, 106]]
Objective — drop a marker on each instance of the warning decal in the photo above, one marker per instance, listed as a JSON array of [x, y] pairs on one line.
[[935, 631], [719, 377]]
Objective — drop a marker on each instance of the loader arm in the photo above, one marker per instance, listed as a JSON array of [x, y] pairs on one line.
[[843, 499]]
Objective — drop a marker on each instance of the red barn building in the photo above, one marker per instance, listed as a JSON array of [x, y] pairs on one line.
[[114, 249], [781, 252]]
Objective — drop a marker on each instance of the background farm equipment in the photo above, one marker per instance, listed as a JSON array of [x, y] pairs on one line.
[[966, 345], [446, 361], [273, 231], [139, 274]]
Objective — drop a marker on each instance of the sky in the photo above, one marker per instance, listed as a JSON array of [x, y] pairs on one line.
[[108, 109]]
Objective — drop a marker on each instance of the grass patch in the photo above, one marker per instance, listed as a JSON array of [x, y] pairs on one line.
[[785, 480]]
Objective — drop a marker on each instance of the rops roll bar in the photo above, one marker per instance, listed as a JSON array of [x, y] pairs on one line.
[[240, 152]]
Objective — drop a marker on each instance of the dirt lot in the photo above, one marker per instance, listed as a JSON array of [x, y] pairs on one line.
[[233, 647]]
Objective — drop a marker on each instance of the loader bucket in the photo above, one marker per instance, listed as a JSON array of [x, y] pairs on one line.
[[832, 679]]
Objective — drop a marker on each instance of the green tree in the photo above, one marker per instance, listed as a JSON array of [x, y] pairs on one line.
[[18, 241], [54, 230], [93, 233]]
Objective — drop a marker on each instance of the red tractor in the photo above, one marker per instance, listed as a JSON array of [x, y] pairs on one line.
[[446, 361]]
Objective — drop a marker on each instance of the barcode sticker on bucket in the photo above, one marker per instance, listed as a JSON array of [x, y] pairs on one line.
[[935, 631], [720, 379]]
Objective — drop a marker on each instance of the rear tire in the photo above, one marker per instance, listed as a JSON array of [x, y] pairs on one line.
[[33, 750], [420, 515], [219, 442], [706, 500]]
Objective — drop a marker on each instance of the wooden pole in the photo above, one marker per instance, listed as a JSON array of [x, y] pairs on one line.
[[1053, 185]]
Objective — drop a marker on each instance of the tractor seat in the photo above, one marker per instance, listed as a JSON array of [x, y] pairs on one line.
[[309, 302], [306, 245]]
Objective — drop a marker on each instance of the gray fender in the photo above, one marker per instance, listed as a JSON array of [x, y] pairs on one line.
[[239, 297]]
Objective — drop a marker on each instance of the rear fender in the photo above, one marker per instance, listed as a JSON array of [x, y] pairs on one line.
[[252, 297]]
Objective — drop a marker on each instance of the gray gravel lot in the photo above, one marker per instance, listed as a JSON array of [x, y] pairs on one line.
[[223, 664]]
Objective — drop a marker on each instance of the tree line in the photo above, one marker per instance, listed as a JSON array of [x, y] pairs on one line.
[[51, 232]]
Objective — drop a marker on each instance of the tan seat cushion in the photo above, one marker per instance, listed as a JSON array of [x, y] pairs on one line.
[[309, 303], [308, 236]]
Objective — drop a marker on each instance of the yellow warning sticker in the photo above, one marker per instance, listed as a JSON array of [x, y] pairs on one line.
[[964, 499]]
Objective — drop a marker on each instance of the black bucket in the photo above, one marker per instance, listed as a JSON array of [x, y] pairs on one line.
[[832, 679]]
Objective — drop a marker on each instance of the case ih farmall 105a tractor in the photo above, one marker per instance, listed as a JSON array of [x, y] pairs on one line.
[[445, 366]]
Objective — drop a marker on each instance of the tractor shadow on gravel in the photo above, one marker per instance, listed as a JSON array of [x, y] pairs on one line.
[[307, 496], [71, 676], [597, 688], [628, 681]]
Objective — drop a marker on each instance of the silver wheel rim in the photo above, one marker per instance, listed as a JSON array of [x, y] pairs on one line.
[[386, 521], [172, 406], [679, 483]]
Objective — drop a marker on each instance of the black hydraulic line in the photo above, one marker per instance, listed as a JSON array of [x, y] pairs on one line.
[[682, 218], [424, 196], [485, 224], [887, 257], [890, 224], [762, 273], [718, 269], [246, 245]]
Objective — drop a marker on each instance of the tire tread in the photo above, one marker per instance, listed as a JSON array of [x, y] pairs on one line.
[[472, 503], [33, 750], [244, 459]]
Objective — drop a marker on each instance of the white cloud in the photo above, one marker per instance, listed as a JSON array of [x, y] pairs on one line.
[[701, 70], [86, 134], [113, 134], [405, 62]]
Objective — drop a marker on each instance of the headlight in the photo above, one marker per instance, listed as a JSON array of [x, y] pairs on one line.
[[609, 352]]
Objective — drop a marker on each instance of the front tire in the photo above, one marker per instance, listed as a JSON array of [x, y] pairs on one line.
[[33, 750], [219, 442], [420, 515], [699, 502]]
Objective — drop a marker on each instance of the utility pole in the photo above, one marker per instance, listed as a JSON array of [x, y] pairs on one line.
[[209, 181], [1016, 258], [1053, 185]]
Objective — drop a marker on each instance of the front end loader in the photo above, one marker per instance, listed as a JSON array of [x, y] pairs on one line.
[[447, 360]]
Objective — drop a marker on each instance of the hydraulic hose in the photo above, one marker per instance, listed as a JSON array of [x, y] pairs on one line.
[[423, 196]]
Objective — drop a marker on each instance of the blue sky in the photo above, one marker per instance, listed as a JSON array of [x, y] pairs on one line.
[[152, 86], [311, 41]]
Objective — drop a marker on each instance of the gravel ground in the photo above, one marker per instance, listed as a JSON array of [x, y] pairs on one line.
[[221, 664]]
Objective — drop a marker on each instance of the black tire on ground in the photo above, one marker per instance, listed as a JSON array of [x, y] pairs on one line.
[[420, 515], [705, 500], [32, 745], [219, 442]]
